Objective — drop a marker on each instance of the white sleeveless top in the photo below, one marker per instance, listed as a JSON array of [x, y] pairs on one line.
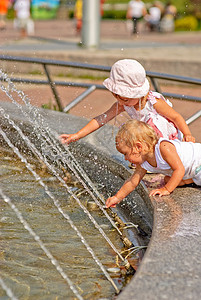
[[162, 126], [189, 153]]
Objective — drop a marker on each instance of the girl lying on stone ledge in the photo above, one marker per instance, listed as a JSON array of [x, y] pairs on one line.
[[180, 162]]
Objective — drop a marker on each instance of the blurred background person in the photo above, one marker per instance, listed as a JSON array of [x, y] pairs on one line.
[[4, 6], [101, 7], [136, 11], [23, 21], [167, 22], [170, 9], [78, 15], [153, 17]]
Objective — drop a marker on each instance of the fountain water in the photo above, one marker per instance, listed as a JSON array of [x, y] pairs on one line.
[[8, 291], [47, 137], [65, 215], [43, 144], [49, 146]]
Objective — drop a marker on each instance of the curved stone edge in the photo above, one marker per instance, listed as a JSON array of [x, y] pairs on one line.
[[171, 265]]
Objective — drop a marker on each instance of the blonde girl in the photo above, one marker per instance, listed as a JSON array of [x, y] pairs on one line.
[[180, 162], [130, 87]]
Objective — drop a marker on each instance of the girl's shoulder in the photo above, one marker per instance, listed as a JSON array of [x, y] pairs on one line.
[[154, 96]]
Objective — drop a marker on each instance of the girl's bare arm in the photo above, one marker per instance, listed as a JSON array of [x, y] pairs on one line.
[[169, 154], [93, 125], [127, 187], [168, 112]]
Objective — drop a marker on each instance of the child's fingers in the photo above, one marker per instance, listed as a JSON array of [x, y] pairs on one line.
[[112, 205], [160, 192], [64, 141], [154, 193], [63, 137], [189, 138], [110, 202], [67, 138]]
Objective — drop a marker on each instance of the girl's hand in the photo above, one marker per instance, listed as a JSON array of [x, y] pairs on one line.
[[189, 138], [161, 192], [68, 138], [112, 201]]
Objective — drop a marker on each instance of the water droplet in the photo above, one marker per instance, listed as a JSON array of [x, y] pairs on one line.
[[113, 270]]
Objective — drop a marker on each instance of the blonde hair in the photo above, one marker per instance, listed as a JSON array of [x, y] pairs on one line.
[[135, 131]]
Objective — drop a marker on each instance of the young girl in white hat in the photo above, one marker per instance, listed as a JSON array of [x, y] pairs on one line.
[[180, 162], [129, 85]]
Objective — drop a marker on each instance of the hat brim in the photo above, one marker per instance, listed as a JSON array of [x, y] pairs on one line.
[[127, 91]]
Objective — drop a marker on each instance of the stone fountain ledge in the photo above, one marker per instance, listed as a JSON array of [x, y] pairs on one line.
[[171, 267]]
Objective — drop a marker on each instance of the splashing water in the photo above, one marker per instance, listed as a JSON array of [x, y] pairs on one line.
[[50, 144], [50, 148], [38, 240], [8, 291], [56, 174], [37, 177]]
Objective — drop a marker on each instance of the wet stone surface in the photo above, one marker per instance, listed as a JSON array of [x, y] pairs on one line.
[[171, 265]]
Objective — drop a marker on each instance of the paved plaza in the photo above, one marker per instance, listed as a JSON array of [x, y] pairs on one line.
[[171, 265]]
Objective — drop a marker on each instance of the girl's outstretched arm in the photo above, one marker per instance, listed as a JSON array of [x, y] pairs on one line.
[[90, 127], [167, 111], [169, 154], [93, 125], [127, 187]]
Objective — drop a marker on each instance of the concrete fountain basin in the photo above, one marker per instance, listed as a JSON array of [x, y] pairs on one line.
[[170, 268]]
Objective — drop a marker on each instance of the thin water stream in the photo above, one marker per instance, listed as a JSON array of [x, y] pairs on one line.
[[23, 159], [49, 142], [25, 266], [50, 149], [55, 201]]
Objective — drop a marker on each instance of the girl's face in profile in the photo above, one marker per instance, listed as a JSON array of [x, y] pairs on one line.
[[126, 101], [133, 155]]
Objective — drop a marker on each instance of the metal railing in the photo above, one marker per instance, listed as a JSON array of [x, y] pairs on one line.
[[154, 78]]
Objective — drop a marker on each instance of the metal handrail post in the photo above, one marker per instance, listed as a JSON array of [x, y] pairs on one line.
[[52, 85], [193, 117], [155, 84], [79, 98]]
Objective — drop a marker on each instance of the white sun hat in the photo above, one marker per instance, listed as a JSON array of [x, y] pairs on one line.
[[127, 79]]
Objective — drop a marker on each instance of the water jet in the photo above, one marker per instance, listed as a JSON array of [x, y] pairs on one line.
[[26, 131], [171, 265]]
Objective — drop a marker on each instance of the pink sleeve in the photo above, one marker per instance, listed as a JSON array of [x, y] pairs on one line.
[[153, 96]]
